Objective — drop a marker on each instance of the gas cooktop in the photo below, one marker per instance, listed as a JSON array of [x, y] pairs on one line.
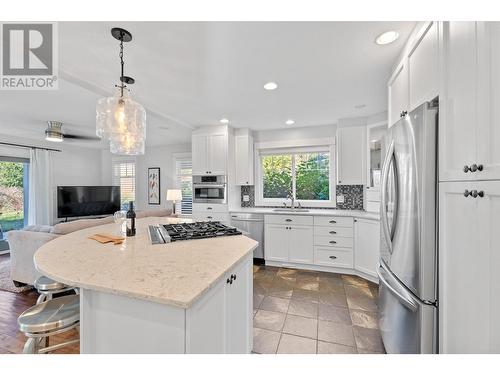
[[165, 233]]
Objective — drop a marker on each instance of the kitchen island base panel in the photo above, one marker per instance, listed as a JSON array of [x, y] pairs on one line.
[[219, 322]]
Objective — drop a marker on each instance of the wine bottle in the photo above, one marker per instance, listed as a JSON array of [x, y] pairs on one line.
[[131, 220]]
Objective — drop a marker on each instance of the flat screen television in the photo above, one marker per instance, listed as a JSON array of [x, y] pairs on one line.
[[75, 201]]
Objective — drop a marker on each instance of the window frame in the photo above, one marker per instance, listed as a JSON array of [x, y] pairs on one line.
[[124, 160], [274, 148], [176, 158]]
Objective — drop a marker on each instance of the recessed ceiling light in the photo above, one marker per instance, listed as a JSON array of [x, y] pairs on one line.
[[224, 121], [271, 86], [387, 37], [289, 122]]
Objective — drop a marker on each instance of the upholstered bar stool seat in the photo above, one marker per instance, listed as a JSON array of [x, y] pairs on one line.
[[49, 318]]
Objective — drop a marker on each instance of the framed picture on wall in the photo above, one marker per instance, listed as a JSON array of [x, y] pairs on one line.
[[153, 185]]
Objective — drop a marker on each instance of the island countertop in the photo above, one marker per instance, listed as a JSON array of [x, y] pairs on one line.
[[176, 273]]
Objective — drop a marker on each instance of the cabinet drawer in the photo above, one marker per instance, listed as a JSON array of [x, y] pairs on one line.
[[333, 241], [214, 216], [209, 207], [333, 231], [330, 221], [289, 219], [333, 257]]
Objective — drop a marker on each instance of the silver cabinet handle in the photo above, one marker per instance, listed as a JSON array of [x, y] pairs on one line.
[[209, 208], [209, 217], [332, 222], [288, 220], [332, 232], [467, 193], [333, 242], [332, 257]]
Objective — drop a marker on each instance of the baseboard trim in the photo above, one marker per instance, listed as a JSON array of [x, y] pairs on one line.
[[313, 267]]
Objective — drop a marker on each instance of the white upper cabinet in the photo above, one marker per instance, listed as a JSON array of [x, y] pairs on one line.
[[367, 246], [398, 93], [469, 264], [458, 106], [217, 154], [244, 159], [199, 148], [469, 128], [351, 155], [423, 67], [488, 125], [209, 154]]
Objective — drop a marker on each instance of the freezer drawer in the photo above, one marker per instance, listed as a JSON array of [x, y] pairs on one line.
[[407, 324]]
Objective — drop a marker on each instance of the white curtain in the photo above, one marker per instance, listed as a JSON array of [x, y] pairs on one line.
[[40, 195]]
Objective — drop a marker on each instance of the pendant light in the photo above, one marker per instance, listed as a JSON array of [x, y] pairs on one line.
[[118, 118]]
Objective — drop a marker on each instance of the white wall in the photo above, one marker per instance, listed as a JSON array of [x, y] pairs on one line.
[[162, 157], [293, 133]]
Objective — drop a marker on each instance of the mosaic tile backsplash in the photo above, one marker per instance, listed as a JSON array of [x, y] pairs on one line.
[[353, 197]]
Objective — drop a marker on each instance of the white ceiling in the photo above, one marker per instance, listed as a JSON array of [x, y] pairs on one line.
[[191, 74]]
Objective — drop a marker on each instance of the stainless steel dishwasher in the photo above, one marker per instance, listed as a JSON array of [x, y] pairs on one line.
[[254, 225]]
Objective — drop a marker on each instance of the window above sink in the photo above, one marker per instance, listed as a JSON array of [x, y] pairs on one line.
[[305, 174]]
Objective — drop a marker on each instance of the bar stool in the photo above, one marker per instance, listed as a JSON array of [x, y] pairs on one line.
[[49, 318], [47, 287]]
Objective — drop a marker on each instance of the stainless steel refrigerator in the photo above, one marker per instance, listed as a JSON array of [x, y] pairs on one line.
[[408, 252]]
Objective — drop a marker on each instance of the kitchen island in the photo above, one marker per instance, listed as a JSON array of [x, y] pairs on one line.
[[190, 296]]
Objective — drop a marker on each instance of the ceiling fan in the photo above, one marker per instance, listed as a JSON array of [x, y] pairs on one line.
[[54, 133]]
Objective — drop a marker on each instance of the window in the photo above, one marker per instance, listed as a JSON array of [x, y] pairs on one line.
[[184, 181], [124, 176], [13, 196], [301, 173]]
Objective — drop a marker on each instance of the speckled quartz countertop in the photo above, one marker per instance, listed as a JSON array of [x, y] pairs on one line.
[[175, 274], [311, 212]]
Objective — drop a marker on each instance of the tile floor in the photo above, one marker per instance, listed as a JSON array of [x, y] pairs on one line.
[[308, 312]]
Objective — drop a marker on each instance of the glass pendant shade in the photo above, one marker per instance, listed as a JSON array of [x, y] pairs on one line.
[[123, 122]]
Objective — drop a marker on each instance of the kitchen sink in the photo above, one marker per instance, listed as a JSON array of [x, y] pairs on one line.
[[291, 210]]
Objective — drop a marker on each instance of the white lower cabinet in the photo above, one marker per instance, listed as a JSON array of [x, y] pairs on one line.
[[469, 267], [367, 246], [325, 243], [224, 315], [300, 246], [287, 243]]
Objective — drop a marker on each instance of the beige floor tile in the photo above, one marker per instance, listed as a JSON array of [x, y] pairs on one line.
[[280, 291], [368, 339], [257, 300], [265, 341], [367, 319], [334, 314], [331, 286], [301, 326], [303, 308], [275, 304], [306, 284], [363, 351], [358, 291], [306, 295], [336, 333], [331, 348], [354, 280], [269, 320], [361, 303], [290, 344], [334, 299]]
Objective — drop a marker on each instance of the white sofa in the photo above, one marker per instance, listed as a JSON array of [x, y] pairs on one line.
[[24, 243]]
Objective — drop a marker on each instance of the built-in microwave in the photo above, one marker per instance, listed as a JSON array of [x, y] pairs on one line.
[[209, 189]]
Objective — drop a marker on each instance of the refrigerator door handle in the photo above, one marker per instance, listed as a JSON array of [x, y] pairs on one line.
[[402, 295], [383, 202]]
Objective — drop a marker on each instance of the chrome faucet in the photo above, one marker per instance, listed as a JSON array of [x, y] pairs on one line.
[[292, 206]]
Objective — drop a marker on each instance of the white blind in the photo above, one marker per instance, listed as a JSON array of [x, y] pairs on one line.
[[124, 176], [184, 181]]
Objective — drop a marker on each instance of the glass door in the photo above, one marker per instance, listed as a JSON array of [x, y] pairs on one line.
[[14, 174]]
